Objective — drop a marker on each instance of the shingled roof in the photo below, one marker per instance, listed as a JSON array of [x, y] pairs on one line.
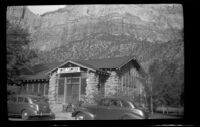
[[114, 62], [41, 70]]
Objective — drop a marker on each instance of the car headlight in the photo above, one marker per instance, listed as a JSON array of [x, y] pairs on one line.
[[140, 112], [35, 106]]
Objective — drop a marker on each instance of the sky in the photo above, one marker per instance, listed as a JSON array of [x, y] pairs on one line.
[[43, 9]]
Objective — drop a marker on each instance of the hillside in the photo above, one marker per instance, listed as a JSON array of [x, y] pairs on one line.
[[99, 31]]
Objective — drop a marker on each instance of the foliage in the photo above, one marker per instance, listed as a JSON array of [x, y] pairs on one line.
[[166, 82], [18, 50], [13, 89]]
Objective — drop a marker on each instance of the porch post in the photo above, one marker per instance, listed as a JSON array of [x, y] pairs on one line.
[[44, 88], [122, 82], [39, 88], [33, 88], [27, 87], [79, 96]]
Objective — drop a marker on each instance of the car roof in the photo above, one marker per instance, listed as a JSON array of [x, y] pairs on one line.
[[121, 99], [115, 98], [25, 95]]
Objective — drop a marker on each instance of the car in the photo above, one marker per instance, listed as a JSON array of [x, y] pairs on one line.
[[28, 106], [109, 109]]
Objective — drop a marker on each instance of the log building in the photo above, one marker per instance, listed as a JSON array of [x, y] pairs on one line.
[[75, 80]]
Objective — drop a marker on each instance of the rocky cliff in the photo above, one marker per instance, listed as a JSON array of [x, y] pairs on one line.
[[87, 31]]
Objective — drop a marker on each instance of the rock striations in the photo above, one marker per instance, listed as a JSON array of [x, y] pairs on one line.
[[87, 31]]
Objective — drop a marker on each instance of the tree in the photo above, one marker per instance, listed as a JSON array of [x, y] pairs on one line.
[[166, 82], [18, 50]]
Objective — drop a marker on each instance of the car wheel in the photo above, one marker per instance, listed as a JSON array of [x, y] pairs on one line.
[[80, 116], [25, 115]]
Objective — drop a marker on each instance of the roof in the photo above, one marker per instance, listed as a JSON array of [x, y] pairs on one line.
[[107, 62], [41, 70]]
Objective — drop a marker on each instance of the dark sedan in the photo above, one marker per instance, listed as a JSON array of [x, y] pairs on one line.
[[28, 106], [109, 109]]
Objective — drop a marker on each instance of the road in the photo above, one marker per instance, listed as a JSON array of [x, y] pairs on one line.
[[58, 116], [67, 116]]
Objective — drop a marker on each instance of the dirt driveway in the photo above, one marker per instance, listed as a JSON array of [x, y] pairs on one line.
[[63, 116]]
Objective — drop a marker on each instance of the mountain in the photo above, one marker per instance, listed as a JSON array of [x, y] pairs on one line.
[[98, 31]]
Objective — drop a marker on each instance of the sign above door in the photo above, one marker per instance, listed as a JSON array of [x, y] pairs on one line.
[[68, 70]]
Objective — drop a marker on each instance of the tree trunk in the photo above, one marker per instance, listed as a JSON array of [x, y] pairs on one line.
[[163, 109], [151, 105], [151, 101]]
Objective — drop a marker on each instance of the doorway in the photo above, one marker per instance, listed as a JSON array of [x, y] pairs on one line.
[[72, 90]]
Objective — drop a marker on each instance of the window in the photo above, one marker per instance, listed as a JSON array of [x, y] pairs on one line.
[[83, 86], [41, 90], [35, 88], [26, 100], [30, 88], [127, 104], [105, 102], [20, 99], [61, 86], [24, 88], [12, 99], [116, 103], [75, 80], [36, 99], [46, 88]]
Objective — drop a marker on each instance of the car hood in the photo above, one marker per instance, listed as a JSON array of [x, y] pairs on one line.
[[87, 106], [140, 112], [43, 107]]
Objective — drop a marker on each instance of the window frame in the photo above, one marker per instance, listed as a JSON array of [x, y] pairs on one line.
[[10, 99], [116, 103], [25, 100], [20, 101], [102, 102]]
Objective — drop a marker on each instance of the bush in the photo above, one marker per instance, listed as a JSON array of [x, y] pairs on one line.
[[13, 89]]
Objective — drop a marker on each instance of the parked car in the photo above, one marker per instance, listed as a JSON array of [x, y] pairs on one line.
[[28, 106], [109, 108]]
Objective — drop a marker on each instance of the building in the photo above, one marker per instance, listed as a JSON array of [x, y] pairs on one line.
[[75, 80]]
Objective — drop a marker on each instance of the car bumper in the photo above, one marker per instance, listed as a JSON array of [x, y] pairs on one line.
[[36, 113], [43, 116]]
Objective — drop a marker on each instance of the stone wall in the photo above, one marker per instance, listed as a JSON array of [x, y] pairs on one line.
[[91, 88], [112, 85], [52, 92]]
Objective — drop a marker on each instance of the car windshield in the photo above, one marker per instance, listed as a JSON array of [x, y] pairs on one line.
[[131, 104], [36, 99], [128, 104]]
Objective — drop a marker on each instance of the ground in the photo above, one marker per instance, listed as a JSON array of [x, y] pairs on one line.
[[67, 116], [64, 116], [163, 116]]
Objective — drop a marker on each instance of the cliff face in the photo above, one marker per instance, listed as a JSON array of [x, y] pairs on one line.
[[85, 31], [151, 22], [23, 16]]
